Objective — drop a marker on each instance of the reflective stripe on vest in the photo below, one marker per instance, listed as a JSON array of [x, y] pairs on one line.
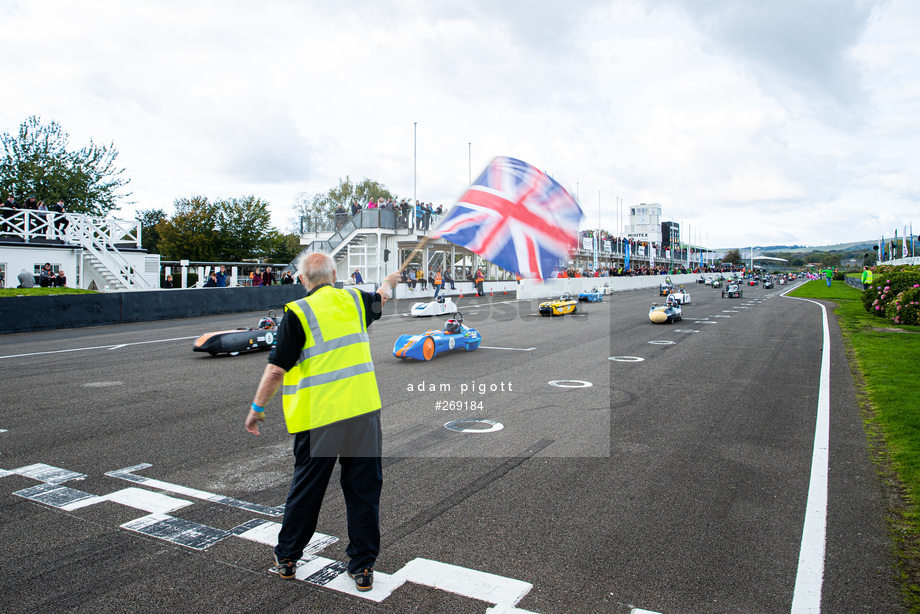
[[334, 378]]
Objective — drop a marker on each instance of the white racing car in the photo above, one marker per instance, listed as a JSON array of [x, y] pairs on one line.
[[438, 307], [681, 297]]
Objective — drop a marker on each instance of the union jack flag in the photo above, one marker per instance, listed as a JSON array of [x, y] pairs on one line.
[[515, 216]]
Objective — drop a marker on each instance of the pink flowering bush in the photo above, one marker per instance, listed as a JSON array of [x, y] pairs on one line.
[[905, 308], [891, 293]]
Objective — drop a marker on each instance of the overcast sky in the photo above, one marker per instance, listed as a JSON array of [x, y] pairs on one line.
[[781, 122]]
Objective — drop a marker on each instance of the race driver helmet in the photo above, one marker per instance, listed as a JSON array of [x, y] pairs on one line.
[[452, 327], [266, 323]]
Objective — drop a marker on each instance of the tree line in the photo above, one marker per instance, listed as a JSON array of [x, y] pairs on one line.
[[225, 230]]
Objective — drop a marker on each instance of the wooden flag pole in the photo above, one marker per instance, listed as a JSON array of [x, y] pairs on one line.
[[416, 250]]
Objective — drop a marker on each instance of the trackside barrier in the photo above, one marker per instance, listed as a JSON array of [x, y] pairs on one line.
[[32, 313]]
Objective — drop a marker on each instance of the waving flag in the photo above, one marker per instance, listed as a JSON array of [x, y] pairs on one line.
[[515, 216]]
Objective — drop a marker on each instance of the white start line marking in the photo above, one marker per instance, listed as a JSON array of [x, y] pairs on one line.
[[501, 592], [98, 347]]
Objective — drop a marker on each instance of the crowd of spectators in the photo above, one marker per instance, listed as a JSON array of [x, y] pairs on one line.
[[673, 269], [422, 216], [52, 217]]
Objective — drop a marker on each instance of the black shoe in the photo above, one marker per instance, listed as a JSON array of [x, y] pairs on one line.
[[364, 580], [285, 568]]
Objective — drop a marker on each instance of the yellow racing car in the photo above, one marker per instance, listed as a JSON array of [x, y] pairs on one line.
[[564, 305]]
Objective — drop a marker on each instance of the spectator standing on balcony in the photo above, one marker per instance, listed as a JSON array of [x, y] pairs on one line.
[[426, 213], [355, 207], [356, 277], [372, 204], [167, 283], [9, 210], [222, 277], [341, 216], [60, 220], [256, 277], [286, 278], [30, 203], [268, 278]]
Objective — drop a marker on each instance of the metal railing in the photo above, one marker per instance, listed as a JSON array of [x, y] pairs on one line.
[[29, 225]]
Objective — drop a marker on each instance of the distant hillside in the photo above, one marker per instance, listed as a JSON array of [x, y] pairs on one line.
[[839, 247], [803, 249]]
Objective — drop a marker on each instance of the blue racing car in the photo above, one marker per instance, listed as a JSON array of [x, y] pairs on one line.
[[430, 343], [594, 296]]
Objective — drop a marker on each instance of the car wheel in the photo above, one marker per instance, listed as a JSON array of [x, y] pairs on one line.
[[428, 349], [574, 308], [472, 346]]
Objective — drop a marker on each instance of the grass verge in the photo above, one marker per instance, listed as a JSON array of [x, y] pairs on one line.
[[4, 292], [885, 362]]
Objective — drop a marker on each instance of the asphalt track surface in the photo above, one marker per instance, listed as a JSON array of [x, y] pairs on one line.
[[674, 484]]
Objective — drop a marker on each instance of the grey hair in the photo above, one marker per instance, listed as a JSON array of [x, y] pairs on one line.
[[315, 268]]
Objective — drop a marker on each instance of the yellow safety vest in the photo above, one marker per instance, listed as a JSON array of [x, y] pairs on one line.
[[334, 378], [867, 276]]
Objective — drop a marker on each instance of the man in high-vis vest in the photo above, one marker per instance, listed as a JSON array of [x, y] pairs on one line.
[[866, 277], [322, 362]]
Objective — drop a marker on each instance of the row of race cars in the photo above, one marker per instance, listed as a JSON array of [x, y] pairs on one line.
[[455, 335], [672, 310], [768, 281], [424, 346]]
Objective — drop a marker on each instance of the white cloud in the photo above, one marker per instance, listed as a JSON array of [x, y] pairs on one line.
[[791, 121]]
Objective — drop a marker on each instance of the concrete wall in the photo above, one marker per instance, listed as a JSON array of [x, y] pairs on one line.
[[30, 313]]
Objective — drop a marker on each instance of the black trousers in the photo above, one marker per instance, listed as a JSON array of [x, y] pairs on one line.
[[357, 445]]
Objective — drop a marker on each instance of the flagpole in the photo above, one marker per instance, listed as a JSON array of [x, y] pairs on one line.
[[416, 250]]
